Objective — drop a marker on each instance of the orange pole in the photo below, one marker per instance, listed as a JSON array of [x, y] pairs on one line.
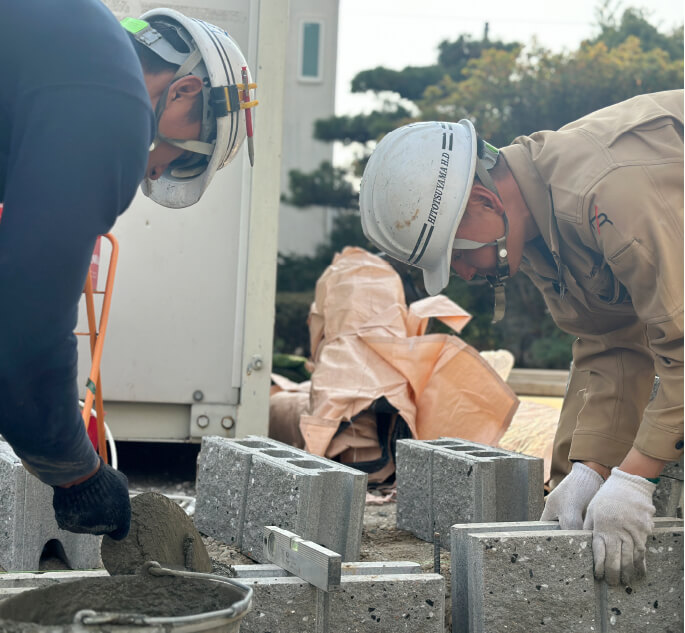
[[97, 339], [92, 330]]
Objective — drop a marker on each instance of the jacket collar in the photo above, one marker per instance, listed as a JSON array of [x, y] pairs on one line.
[[538, 198]]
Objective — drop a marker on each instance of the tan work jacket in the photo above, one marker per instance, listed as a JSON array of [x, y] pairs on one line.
[[606, 192]]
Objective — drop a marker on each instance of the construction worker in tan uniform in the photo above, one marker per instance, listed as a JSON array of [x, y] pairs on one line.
[[593, 214]]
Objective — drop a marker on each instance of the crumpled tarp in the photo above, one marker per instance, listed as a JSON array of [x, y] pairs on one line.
[[366, 344]]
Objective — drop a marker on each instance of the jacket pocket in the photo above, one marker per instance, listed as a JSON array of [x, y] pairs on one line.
[[604, 285]]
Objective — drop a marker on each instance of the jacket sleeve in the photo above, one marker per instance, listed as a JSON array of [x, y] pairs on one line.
[[641, 238]]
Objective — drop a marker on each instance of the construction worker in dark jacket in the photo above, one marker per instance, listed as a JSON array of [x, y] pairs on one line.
[[88, 111], [593, 214]]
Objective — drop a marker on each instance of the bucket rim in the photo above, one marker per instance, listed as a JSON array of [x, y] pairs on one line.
[[88, 617]]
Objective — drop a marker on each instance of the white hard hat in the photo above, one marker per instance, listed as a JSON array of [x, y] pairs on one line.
[[214, 57], [414, 192]]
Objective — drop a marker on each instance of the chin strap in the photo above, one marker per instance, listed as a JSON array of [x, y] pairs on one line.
[[502, 272]]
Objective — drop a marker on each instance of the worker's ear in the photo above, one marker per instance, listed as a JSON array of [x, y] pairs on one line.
[[187, 87], [482, 196]]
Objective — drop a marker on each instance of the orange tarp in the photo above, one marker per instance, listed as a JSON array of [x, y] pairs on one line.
[[366, 344]]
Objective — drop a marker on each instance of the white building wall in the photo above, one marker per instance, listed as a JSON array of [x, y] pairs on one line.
[[306, 100]]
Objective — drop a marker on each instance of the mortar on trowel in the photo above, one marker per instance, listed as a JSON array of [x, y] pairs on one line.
[[159, 583]]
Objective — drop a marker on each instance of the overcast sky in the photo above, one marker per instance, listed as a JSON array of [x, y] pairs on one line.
[[399, 33]]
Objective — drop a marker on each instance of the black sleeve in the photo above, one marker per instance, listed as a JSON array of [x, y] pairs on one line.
[[76, 157]]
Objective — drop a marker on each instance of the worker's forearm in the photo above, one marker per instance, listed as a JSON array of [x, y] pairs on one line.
[[604, 471], [634, 463]]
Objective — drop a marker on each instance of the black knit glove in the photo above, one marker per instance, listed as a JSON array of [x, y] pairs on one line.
[[99, 505]]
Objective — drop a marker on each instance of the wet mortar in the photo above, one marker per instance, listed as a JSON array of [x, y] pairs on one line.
[[152, 596], [160, 531]]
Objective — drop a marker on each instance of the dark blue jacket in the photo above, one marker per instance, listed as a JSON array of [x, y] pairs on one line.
[[75, 129]]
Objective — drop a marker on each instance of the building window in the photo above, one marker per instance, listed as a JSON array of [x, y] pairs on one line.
[[311, 51]]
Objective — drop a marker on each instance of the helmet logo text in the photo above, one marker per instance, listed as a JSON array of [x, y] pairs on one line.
[[439, 187]]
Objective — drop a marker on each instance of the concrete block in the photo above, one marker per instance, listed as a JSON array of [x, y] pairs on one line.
[[668, 497], [380, 568], [517, 579], [27, 522], [281, 605], [244, 485], [388, 604], [13, 583], [459, 561], [674, 470], [653, 603], [527, 581], [348, 569], [447, 481]]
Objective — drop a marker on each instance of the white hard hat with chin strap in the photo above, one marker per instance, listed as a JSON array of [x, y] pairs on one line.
[[217, 61], [414, 192]]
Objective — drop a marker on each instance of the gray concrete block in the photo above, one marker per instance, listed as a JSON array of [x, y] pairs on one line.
[[517, 579], [674, 470], [27, 522], [380, 568], [411, 603], [459, 561], [668, 497], [447, 481], [653, 603], [531, 580], [348, 569], [244, 485], [281, 605], [13, 583]]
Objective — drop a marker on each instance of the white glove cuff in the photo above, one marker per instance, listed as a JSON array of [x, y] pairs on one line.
[[586, 476], [635, 481]]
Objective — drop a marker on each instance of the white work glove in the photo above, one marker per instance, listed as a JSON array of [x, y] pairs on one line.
[[620, 517], [568, 501]]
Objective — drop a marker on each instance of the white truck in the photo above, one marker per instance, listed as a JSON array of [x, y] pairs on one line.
[[188, 345]]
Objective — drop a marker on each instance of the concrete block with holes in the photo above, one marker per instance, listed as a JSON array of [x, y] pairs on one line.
[[447, 481], [523, 577], [27, 522], [245, 484]]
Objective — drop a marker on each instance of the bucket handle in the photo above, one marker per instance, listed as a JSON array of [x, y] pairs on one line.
[[237, 610]]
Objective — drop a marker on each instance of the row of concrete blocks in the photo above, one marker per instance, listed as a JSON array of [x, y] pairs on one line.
[[389, 597], [246, 484], [243, 485], [526, 577]]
